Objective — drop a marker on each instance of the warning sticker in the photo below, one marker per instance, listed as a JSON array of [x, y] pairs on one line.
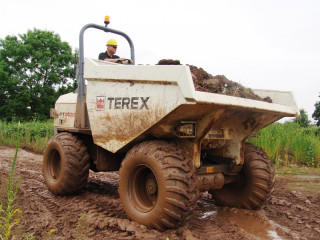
[[100, 103]]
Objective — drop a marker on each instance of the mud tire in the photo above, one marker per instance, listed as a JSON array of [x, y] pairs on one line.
[[158, 185], [255, 186], [65, 164]]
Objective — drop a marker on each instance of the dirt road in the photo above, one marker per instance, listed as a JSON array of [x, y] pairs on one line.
[[96, 213]]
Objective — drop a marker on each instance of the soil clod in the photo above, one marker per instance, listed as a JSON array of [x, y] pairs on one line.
[[219, 84]]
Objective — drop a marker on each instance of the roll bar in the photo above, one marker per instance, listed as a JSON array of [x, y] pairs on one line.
[[80, 118]]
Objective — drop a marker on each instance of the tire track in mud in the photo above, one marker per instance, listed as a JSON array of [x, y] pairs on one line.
[[100, 206], [99, 201], [64, 211], [99, 196]]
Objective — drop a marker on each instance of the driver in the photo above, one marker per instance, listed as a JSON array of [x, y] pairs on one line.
[[109, 55]]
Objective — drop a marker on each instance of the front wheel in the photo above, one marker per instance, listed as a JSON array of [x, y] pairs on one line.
[[158, 185], [65, 164], [255, 185]]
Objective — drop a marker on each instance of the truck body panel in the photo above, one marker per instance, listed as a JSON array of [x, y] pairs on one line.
[[126, 103]]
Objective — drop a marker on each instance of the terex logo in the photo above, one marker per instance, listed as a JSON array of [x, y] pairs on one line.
[[135, 103]]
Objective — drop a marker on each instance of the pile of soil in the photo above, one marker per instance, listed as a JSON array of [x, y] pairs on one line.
[[219, 84]]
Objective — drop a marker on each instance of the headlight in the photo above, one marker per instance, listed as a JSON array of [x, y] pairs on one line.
[[186, 129]]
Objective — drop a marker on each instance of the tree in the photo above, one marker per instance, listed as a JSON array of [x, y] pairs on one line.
[[303, 120], [35, 68], [316, 113]]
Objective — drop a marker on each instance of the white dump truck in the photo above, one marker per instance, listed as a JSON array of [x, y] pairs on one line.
[[167, 140]]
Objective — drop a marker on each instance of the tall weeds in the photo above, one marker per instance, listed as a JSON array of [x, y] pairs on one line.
[[8, 215], [289, 143], [286, 143], [33, 135]]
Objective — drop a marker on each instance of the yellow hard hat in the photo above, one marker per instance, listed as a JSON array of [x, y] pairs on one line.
[[112, 42]]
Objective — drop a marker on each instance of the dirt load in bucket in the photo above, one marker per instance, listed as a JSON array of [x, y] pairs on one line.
[[219, 84]]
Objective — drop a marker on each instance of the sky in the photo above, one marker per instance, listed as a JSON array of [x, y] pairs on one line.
[[262, 44]]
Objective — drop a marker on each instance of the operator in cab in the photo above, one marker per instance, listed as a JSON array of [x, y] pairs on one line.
[[110, 56]]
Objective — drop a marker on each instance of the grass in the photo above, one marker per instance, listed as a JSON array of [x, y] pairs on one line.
[[290, 144], [34, 135], [307, 187], [286, 143], [298, 170]]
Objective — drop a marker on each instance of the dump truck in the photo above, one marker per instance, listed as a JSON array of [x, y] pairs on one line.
[[168, 141]]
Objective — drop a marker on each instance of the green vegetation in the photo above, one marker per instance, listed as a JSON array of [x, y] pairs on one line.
[[290, 144], [8, 215], [35, 69], [303, 119], [286, 143], [34, 135], [316, 113]]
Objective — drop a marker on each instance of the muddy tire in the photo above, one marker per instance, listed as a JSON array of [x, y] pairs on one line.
[[158, 185], [65, 164], [255, 185]]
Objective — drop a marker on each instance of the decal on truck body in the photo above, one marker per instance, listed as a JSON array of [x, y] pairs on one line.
[[131, 103], [67, 114], [100, 103]]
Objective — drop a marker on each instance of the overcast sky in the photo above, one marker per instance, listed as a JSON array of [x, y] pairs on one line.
[[263, 44]]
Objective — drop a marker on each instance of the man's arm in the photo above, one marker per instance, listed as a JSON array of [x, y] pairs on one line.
[[115, 60]]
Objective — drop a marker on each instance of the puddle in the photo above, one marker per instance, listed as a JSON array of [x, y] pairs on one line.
[[273, 234], [209, 214], [250, 224]]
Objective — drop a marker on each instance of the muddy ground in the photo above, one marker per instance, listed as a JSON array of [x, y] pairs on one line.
[[293, 212]]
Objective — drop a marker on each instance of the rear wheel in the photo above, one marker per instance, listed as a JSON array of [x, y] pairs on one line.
[[158, 185], [65, 164], [255, 185]]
